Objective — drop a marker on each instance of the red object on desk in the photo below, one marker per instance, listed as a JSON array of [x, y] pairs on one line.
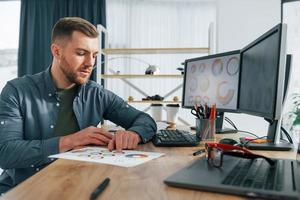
[[253, 140]]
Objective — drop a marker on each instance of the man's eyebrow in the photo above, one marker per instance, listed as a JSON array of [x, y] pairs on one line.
[[81, 49]]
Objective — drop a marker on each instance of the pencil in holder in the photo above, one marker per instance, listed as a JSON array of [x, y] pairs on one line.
[[206, 129]]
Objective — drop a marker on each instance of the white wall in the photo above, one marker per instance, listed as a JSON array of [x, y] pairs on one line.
[[238, 23], [241, 21]]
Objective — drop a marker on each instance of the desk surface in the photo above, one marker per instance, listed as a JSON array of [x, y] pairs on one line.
[[67, 179]]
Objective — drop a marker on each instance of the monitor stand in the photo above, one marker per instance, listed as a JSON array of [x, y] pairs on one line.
[[281, 146], [219, 125], [271, 146], [274, 131]]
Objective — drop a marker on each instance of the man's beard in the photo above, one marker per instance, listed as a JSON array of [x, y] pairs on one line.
[[71, 74]]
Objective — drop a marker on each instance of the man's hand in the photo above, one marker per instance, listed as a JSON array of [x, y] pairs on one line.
[[124, 140], [89, 135]]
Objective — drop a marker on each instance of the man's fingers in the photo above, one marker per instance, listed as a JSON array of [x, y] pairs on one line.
[[100, 137], [111, 144], [103, 132], [131, 143], [125, 139], [97, 142], [78, 147], [136, 142], [119, 141]]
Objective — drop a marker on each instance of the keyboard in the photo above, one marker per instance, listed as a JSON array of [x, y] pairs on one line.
[[256, 174], [174, 138]]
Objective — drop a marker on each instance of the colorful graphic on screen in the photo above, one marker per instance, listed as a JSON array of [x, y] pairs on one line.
[[215, 81]]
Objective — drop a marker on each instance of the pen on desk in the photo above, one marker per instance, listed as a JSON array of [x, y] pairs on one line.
[[198, 152], [99, 189]]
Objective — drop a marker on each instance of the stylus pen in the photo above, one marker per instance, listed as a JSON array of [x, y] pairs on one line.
[[99, 189], [198, 152]]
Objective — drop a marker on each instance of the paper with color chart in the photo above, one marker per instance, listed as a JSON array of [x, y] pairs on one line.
[[127, 158]]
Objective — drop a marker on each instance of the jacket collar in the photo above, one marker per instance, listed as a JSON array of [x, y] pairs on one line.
[[50, 86], [51, 89]]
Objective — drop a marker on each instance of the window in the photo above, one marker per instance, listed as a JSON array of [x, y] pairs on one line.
[[9, 40], [291, 10], [291, 17], [155, 24]]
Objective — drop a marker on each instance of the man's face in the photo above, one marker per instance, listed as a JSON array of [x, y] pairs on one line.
[[78, 57]]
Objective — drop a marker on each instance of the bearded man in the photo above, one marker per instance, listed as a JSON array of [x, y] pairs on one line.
[[59, 109]]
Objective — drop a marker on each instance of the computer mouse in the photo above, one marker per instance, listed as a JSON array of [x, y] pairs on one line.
[[228, 141]]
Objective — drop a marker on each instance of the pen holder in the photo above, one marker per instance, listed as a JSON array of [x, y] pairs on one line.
[[206, 129]]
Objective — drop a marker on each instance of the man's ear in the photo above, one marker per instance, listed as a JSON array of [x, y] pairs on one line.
[[56, 50]]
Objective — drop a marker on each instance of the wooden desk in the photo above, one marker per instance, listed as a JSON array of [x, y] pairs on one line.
[[67, 179]]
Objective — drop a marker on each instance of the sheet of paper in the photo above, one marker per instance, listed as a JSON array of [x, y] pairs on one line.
[[128, 158]]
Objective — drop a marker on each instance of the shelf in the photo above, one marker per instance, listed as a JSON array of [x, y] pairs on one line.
[[139, 76], [156, 50], [175, 102]]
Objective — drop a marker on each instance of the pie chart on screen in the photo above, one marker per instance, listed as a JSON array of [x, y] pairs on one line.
[[217, 67], [232, 66]]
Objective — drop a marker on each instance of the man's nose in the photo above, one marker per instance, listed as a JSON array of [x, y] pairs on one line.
[[89, 61]]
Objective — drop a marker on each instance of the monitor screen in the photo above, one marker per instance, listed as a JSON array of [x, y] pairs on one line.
[[213, 80], [262, 75]]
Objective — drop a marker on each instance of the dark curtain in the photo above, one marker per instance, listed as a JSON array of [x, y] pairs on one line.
[[37, 20]]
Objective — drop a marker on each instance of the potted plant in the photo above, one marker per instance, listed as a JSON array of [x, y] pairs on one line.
[[296, 109], [291, 119]]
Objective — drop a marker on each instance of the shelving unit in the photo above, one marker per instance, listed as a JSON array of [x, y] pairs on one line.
[[127, 51], [108, 73], [140, 76]]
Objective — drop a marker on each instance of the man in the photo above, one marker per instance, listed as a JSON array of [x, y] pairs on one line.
[[58, 110]]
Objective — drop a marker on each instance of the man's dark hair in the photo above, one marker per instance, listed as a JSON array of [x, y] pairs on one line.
[[65, 27]]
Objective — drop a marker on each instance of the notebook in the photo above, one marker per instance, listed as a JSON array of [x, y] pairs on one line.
[[252, 178]]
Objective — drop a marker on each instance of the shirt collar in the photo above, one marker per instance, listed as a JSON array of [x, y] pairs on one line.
[[50, 85]]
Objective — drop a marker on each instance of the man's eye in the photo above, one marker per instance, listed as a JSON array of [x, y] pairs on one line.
[[80, 53]]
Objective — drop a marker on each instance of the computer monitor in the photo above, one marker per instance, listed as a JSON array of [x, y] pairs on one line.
[[262, 80], [212, 79]]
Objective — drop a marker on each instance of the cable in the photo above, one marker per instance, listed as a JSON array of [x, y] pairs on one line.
[[244, 144], [282, 130], [256, 136], [287, 135], [290, 140], [231, 123]]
